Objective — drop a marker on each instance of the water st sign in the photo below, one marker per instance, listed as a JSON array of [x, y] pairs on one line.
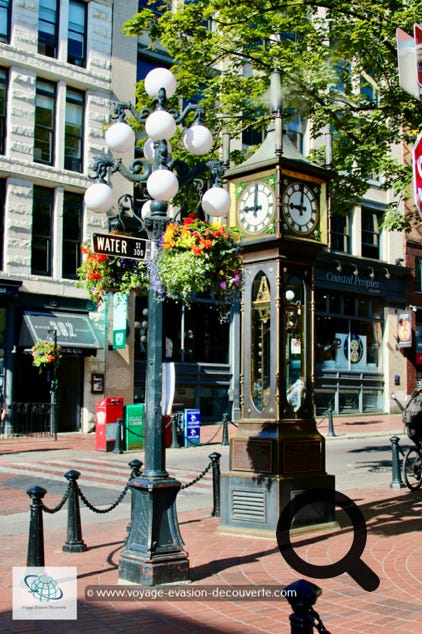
[[417, 173], [120, 246]]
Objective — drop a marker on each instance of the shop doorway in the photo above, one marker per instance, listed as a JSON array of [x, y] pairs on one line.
[[32, 387]]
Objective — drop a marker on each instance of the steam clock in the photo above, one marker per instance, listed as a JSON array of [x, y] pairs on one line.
[[280, 199]]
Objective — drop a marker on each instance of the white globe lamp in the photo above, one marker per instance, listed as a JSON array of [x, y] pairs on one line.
[[162, 185], [160, 125], [99, 197], [198, 139], [146, 209], [120, 137], [216, 202], [160, 78]]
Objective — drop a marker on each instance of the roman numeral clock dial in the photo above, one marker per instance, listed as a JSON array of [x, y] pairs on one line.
[[300, 208], [256, 207]]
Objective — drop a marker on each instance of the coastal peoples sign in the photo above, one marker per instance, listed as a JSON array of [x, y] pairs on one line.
[[354, 281]]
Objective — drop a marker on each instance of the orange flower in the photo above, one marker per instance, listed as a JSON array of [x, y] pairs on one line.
[[206, 244], [196, 250]]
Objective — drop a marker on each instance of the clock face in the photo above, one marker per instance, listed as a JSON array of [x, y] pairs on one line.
[[256, 207], [300, 208]]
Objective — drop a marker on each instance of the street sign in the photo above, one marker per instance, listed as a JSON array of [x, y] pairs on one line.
[[120, 246], [406, 57], [417, 34], [417, 173], [192, 427]]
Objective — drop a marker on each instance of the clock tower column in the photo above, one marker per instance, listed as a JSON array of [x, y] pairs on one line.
[[280, 201]]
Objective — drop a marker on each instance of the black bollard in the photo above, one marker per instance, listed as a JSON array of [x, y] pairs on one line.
[[215, 460], [136, 466], [174, 442], [118, 443], [35, 556], [331, 432], [303, 596], [396, 482], [225, 438], [74, 542]]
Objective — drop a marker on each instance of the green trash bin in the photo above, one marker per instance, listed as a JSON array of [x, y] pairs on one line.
[[134, 427]]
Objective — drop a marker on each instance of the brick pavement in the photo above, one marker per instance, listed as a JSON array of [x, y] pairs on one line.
[[393, 551]]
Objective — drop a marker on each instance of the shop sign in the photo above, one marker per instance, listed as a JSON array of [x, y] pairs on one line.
[[404, 329]]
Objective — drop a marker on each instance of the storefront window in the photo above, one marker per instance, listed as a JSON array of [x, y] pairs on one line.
[[193, 334], [350, 344]]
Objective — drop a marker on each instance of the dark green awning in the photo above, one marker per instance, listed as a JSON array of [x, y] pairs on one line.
[[74, 330]]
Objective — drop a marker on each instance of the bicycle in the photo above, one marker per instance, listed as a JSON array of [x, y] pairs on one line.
[[412, 419]]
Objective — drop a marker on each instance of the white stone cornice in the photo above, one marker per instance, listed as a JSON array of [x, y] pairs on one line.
[[43, 174], [53, 69]]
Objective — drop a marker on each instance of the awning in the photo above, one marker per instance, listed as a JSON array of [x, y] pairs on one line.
[[73, 330]]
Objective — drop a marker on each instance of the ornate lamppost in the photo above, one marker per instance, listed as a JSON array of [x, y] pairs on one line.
[[153, 553]]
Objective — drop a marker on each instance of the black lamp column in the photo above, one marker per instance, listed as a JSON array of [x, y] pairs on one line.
[[53, 387], [153, 553]]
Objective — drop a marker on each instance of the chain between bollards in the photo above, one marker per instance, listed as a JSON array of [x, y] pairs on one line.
[[74, 542], [397, 481]]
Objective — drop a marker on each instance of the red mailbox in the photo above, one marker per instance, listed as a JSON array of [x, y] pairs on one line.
[[107, 412]]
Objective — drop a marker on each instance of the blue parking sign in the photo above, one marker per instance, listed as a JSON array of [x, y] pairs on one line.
[[192, 427]]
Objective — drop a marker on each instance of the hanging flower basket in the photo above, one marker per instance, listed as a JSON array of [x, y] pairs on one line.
[[101, 274], [199, 257], [195, 257], [44, 353]]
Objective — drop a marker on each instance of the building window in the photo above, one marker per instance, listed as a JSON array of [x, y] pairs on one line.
[[44, 123], [418, 275], [295, 130], [72, 234], [76, 40], [48, 25], [74, 131], [42, 229], [2, 223], [158, 6], [5, 11], [340, 233], [371, 233], [3, 106]]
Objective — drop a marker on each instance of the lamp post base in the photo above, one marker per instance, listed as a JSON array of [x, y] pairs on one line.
[[153, 553]]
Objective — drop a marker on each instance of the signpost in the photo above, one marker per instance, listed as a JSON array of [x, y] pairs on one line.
[[120, 246], [417, 173]]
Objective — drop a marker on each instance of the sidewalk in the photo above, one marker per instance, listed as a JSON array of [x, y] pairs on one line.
[[393, 551], [344, 426]]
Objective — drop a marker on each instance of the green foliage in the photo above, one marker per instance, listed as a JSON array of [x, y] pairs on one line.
[[314, 44], [44, 353], [199, 257]]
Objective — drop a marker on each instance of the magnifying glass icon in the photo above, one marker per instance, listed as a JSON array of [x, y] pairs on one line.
[[350, 563]]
